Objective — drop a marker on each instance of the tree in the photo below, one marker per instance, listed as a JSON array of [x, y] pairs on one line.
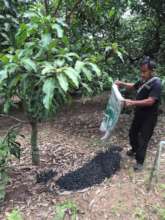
[[42, 66], [41, 70]]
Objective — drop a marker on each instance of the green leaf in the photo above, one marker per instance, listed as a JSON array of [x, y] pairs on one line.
[[95, 69], [86, 86], [2, 193], [3, 75], [14, 215], [112, 12], [59, 62], [11, 67], [48, 89], [69, 56], [5, 36], [48, 68], [63, 81], [29, 14], [22, 53], [115, 46], [4, 58], [29, 64], [162, 186], [46, 39], [59, 30], [15, 81], [72, 55], [21, 35], [87, 73], [72, 75], [119, 54], [61, 209], [78, 66], [60, 213], [61, 22], [7, 106]]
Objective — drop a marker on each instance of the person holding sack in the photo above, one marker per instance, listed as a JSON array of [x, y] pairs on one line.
[[146, 110]]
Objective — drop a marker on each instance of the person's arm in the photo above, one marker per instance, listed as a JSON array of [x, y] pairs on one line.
[[126, 85], [145, 102], [154, 96]]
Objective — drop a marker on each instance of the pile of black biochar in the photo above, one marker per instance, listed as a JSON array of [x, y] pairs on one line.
[[104, 165]]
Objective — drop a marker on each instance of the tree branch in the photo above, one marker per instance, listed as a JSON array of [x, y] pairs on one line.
[[135, 59], [46, 3], [14, 118], [73, 9], [58, 6]]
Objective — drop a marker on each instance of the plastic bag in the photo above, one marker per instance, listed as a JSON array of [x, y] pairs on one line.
[[112, 112]]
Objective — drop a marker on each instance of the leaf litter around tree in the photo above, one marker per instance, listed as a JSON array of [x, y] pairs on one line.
[[74, 167]]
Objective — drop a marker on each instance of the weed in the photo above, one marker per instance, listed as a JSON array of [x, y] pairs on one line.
[[140, 214], [67, 207], [14, 215]]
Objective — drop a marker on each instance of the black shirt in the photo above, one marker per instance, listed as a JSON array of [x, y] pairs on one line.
[[152, 89]]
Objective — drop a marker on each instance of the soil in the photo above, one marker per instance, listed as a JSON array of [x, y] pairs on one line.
[[70, 145]]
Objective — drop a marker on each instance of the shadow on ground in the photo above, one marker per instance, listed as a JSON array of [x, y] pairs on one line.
[[104, 165]]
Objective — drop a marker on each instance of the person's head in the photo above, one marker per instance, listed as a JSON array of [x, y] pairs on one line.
[[147, 68]]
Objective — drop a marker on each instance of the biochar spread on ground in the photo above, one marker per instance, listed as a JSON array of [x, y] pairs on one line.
[[104, 165], [45, 175]]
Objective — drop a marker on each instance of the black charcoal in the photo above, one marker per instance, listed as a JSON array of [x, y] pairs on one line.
[[104, 165]]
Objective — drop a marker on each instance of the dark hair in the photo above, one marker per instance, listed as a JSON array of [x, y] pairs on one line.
[[150, 63]]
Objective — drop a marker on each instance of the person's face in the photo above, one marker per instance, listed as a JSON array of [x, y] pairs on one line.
[[146, 73]]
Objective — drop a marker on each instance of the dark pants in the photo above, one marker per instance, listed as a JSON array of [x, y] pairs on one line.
[[140, 133]]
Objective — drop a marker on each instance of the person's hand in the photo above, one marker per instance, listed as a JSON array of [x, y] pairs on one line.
[[118, 83], [129, 102]]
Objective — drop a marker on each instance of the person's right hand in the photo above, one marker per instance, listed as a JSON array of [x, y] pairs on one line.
[[118, 83]]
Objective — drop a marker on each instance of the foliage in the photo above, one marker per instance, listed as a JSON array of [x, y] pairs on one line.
[[58, 44], [65, 207], [52, 48], [8, 23], [162, 186], [40, 58], [8, 147], [140, 214], [61, 210], [14, 215], [41, 70], [162, 214], [160, 71]]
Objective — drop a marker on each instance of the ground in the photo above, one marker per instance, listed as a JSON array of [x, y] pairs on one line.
[[68, 143]]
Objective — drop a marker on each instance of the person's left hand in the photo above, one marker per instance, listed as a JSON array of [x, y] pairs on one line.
[[129, 102]]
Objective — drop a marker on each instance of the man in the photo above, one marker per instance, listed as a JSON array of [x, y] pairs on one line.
[[146, 111]]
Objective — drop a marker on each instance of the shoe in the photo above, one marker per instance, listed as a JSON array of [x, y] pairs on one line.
[[130, 153], [138, 167]]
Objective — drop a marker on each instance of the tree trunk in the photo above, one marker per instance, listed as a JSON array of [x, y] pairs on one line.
[[34, 146]]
